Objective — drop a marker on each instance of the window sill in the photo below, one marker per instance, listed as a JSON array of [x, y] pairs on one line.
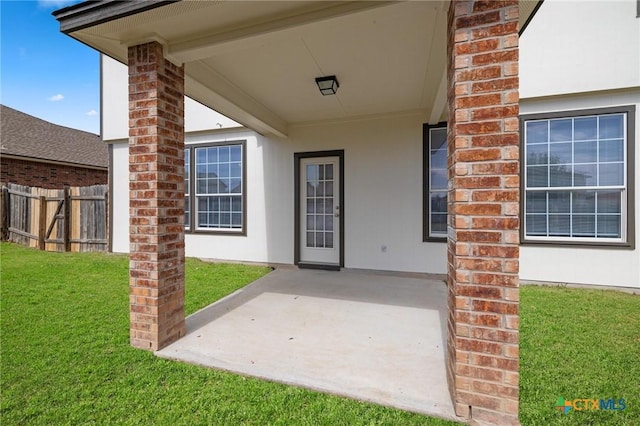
[[579, 244], [434, 240], [234, 233]]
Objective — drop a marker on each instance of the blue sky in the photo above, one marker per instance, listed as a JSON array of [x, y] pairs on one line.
[[45, 73]]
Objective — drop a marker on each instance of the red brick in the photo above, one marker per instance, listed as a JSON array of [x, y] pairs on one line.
[[494, 389], [505, 139], [494, 112], [477, 47], [480, 373], [481, 346], [496, 195], [476, 399], [156, 197], [482, 292], [497, 85], [511, 351], [512, 377], [477, 19], [495, 223], [478, 236], [494, 30], [476, 74], [493, 57], [49, 176], [495, 251], [512, 265], [483, 249], [484, 5], [477, 209], [513, 322], [501, 168], [478, 100], [504, 280], [493, 306], [478, 182], [479, 128], [497, 361]]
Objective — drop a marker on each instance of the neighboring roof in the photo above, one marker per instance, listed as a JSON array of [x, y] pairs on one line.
[[22, 135]]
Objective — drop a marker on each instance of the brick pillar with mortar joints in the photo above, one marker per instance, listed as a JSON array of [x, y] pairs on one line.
[[156, 198], [484, 194]]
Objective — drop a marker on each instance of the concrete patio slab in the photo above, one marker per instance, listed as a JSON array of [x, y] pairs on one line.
[[368, 336]]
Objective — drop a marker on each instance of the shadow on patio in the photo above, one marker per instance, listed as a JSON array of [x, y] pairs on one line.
[[368, 336]]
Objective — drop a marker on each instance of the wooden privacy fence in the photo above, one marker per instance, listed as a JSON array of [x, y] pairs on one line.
[[70, 219]]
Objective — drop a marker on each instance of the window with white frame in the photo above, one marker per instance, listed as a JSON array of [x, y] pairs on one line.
[[435, 182], [215, 200], [576, 172]]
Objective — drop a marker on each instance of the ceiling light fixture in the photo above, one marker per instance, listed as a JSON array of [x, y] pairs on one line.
[[328, 85]]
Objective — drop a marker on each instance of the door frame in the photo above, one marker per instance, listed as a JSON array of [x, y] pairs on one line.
[[298, 156]]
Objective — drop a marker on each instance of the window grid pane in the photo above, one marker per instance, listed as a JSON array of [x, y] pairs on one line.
[[568, 164], [438, 180], [218, 190]]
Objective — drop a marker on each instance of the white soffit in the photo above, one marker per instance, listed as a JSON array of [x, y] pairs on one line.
[[255, 61], [380, 57]]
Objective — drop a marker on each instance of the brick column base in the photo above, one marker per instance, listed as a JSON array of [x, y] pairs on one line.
[[483, 243], [156, 197]]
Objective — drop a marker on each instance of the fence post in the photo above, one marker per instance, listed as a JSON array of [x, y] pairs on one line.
[[107, 216], [67, 218], [42, 225], [4, 216]]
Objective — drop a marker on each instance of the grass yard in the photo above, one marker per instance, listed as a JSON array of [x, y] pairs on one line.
[[66, 359], [578, 344]]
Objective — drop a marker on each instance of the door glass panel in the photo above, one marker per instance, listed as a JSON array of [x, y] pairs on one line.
[[328, 240], [320, 205], [329, 172]]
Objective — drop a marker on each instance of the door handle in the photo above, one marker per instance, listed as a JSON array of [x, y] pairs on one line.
[[337, 211]]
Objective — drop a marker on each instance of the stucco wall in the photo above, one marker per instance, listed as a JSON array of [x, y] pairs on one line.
[[586, 265], [565, 53], [383, 201], [574, 47], [115, 106], [383, 196]]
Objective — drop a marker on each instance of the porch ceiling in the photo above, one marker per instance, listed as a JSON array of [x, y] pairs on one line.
[[256, 61]]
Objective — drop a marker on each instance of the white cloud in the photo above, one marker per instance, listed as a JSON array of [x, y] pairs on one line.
[[92, 112], [56, 98]]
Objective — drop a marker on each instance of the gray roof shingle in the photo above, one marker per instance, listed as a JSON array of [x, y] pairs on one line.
[[26, 136]]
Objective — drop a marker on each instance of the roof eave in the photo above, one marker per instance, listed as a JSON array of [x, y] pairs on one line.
[[90, 13], [95, 12], [56, 162], [530, 17]]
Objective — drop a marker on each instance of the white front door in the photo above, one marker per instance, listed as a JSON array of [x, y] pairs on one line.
[[320, 210]]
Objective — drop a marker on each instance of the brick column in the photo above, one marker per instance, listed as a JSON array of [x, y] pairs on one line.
[[483, 240], [156, 197]]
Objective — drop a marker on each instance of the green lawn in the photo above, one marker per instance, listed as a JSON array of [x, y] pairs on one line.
[[66, 359], [578, 344]]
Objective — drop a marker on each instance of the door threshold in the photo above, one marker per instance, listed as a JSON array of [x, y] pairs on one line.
[[322, 266]]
